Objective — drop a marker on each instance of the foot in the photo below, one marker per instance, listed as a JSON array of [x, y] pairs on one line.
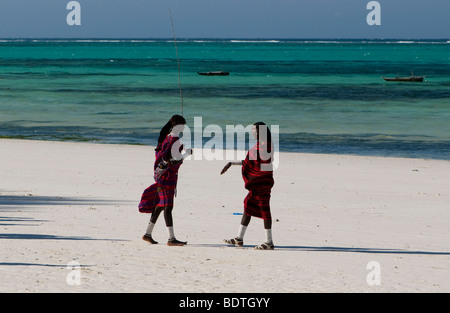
[[265, 246], [235, 241], [149, 239], [174, 243]]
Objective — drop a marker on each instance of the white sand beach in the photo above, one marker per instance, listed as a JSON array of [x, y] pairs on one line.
[[333, 214]]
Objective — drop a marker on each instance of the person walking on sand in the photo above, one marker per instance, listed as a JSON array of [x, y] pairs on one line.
[[257, 172], [159, 197]]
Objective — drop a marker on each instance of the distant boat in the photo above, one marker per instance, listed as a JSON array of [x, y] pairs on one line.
[[216, 73], [412, 78]]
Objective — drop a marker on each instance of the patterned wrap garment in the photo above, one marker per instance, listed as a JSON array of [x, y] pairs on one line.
[[162, 193], [257, 173]]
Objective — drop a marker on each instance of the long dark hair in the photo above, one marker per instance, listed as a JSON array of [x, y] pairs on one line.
[[268, 136], [174, 121], [263, 135]]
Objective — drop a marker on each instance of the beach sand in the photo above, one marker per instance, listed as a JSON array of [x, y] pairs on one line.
[[333, 214]]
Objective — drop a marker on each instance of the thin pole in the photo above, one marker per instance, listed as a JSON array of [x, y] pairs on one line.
[[178, 61]]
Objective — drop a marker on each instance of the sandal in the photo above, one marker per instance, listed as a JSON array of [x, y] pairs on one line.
[[235, 242], [149, 239], [265, 246], [176, 243]]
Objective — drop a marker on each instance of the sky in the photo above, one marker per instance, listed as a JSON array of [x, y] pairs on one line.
[[263, 19]]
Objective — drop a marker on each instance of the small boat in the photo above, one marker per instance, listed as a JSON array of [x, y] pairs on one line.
[[412, 78], [217, 73]]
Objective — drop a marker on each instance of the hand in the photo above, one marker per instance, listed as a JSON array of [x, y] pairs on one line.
[[225, 168], [189, 151]]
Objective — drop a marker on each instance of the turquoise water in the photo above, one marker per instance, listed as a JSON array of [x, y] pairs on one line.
[[326, 96]]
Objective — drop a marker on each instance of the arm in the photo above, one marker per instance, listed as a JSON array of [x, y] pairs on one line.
[[174, 151], [229, 165], [184, 155]]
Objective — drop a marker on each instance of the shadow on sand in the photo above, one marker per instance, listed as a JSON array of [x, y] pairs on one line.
[[38, 264], [13, 204], [331, 249], [359, 250], [51, 237], [8, 202], [13, 221]]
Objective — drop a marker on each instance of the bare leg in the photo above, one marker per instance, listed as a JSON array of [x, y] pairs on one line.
[[268, 245], [155, 214], [148, 235], [169, 223], [239, 239], [268, 224], [168, 215], [245, 219]]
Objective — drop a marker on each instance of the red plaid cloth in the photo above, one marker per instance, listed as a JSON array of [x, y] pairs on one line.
[[167, 182], [152, 198], [258, 206], [149, 199], [258, 182]]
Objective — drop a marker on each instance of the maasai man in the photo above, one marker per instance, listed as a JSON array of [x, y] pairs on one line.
[[160, 196], [257, 172]]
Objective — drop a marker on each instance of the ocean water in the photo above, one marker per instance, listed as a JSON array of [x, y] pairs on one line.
[[325, 96]]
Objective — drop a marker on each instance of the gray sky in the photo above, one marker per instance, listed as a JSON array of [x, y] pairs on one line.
[[405, 19]]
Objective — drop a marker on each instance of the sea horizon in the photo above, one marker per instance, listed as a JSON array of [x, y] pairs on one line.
[[262, 39]]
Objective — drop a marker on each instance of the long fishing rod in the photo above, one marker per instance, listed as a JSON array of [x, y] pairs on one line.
[[178, 61]]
